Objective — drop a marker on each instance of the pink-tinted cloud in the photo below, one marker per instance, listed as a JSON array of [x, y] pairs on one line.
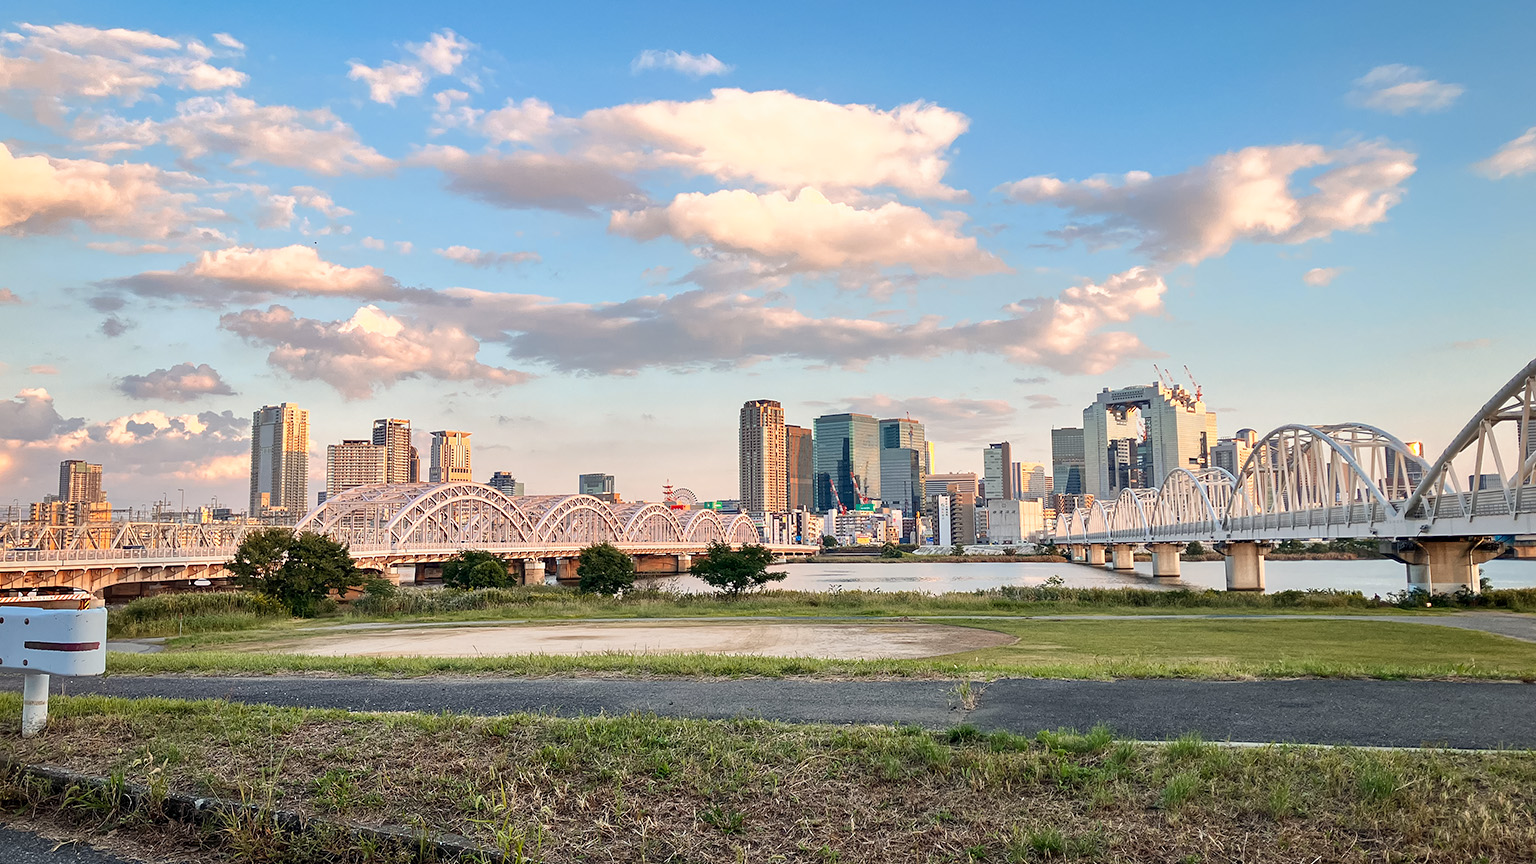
[[183, 382]]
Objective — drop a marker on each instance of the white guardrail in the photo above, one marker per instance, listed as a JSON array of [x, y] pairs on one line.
[[42, 642]]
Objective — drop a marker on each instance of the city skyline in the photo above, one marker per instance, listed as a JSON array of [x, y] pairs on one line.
[[434, 180]]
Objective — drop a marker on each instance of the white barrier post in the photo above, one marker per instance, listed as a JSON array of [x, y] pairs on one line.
[[34, 704], [40, 642]]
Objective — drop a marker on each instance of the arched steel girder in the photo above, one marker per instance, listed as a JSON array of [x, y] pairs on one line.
[[466, 504], [1183, 487], [649, 522], [1513, 401], [1275, 442], [741, 530], [598, 522], [1127, 517], [370, 501], [1100, 525], [702, 526]]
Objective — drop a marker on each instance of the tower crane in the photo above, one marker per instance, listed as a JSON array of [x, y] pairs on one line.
[[1193, 382]]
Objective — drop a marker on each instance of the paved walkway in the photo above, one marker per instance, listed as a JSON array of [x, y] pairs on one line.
[[1358, 712]]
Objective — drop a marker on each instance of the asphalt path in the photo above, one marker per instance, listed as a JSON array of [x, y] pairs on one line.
[[24, 847], [1472, 715]]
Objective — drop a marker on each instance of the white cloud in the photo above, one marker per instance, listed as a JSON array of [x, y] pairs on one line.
[[8, 296], [43, 369], [374, 243], [532, 180], [404, 247], [276, 210], [30, 416], [183, 382], [370, 350], [1320, 276], [439, 55], [69, 62], [229, 41], [1245, 195], [948, 417], [692, 65], [485, 260], [1398, 89], [244, 273], [725, 328], [1514, 158], [811, 233], [41, 194]]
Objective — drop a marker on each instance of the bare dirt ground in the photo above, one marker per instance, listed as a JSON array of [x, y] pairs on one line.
[[838, 641]]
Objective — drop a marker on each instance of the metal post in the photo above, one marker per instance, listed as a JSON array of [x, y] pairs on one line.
[[34, 704]]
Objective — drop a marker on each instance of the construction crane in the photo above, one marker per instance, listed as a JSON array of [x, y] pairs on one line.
[[1163, 376], [1193, 382]]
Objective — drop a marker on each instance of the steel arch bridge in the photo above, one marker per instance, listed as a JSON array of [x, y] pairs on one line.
[[1343, 481], [385, 526]]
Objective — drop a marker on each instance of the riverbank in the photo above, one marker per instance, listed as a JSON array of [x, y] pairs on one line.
[[986, 558]]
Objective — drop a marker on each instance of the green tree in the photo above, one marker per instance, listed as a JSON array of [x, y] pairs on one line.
[[296, 571], [890, 550], [957, 550], [735, 570], [1195, 549], [605, 569], [475, 569], [828, 542]]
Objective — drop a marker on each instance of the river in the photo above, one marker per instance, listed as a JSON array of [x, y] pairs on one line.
[[1375, 576]]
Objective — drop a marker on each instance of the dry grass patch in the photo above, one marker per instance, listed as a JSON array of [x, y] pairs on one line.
[[644, 788]]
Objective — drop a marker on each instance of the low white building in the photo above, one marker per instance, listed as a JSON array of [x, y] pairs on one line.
[[1012, 522]]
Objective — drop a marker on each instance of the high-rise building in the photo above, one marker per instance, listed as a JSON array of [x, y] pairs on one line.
[[395, 436], [799, 469], [80, 482], [997, 472], [763, 465], [1031, 482], [1171, 423], [506, 484], [1401, 483], [846, 461], [450, 457], [943, 484], [279, 462], [904, 463], [1067, 461], [596, 485], [354, 463]]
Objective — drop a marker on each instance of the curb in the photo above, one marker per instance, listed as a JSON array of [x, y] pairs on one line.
[[214, 812]]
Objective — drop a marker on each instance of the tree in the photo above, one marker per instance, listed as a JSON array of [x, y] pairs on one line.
[[957, 550], [472, 569], [296, 571], [605, 569], [828, 542], [890, 550], [735, 570], [1195, 549]]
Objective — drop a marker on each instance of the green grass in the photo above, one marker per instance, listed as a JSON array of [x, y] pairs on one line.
[[1129, 648], [639, 787]]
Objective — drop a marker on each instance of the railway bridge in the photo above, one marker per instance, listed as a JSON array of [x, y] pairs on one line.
[[397, 530], [1337, 481]]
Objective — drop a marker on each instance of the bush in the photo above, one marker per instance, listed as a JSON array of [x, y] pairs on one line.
[[475, 569], [604, 569], [1195, 549], [890, 550], [828, 542], [957, 550], [735, 570], [299, 571], [207, 612]]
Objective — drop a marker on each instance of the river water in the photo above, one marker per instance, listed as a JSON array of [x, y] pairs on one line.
[[1377, 576]]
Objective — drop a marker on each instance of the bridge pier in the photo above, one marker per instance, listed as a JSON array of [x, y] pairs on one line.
[[1165, 560], [1122, 557], [1445, 566], [684, 562], [1245, 565], [1095, 554], [565, 569], [1076, 554], [533, 571]]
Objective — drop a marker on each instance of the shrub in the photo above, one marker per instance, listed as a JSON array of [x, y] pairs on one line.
[[207, 612], [735, 570], [475, 569], [828, 542], [604, 569], [890, 550]]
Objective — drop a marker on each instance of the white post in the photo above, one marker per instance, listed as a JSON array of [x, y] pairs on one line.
[[34, 704]]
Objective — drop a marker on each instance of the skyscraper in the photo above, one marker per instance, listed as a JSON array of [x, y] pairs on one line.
[[596, 485], [997, 472], [798, 468], [763, 467], [1067, 461], [505, 483], [1172, 425], [450, 457], [354, 463], [395, 436], [279, 461], [903, 463], [80, 482], [846, 460]]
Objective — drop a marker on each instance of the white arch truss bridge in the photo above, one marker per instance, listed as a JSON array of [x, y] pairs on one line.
[[1338, 481], [394, 528]]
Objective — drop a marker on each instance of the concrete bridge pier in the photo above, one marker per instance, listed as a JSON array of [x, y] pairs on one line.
[[401, 574], [1077, 553], [533, 571], [1122, 557], [684, 562], [565, 569], [1445, 566], [1165, 560], [1245, 565], [1095, 554]]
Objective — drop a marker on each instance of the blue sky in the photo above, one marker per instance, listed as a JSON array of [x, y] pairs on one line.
[[503, 219]]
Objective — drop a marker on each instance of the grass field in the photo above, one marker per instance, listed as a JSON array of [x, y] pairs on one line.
[[1129, 648], [641, 788]]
